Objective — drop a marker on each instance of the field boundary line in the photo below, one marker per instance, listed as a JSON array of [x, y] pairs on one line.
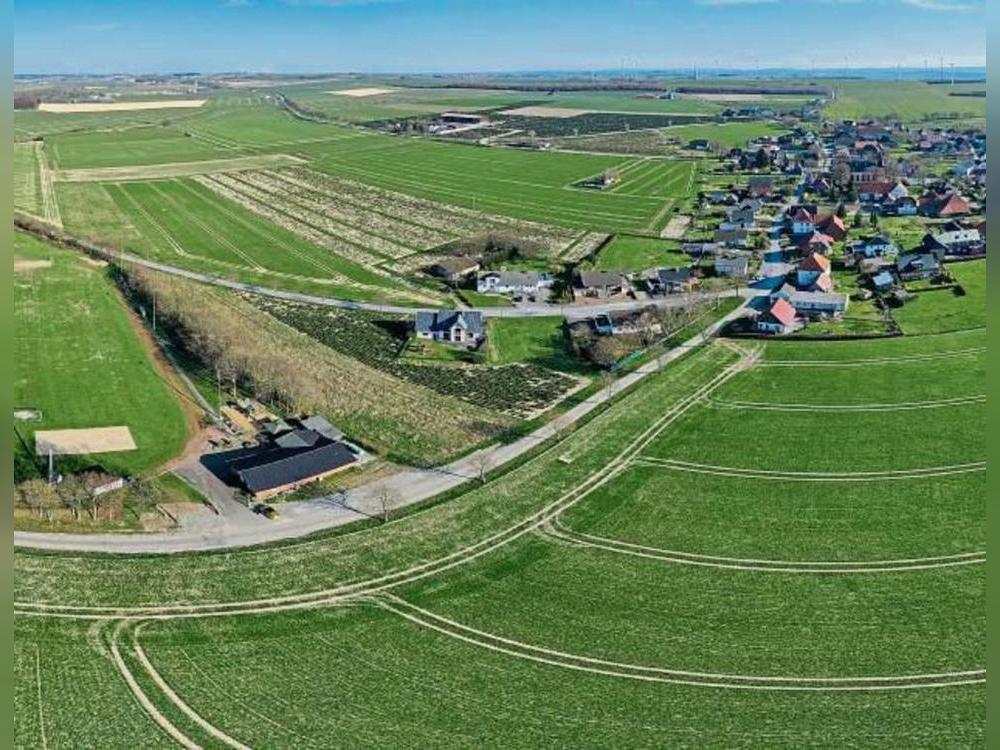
[[162, 721], [558, 531], [176, 699], [453, 629], [810, 476]]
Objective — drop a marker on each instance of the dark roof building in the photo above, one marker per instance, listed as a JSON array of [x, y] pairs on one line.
[[267, 471]]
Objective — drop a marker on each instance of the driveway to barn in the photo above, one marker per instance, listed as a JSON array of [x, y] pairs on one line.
[[238, 527]]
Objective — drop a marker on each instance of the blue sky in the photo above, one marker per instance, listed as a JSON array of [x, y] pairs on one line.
[[472, 35]]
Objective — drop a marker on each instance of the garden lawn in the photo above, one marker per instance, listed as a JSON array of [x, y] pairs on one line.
[[80, 362], [728, 135], [942, 310], [636, 253], [538, 341]]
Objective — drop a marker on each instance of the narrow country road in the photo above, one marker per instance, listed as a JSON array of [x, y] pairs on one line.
[[306, 517]]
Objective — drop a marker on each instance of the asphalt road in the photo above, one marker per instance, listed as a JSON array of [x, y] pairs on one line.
[[237, 527]]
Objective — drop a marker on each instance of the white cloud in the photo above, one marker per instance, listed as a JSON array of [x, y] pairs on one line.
[[940, 5]]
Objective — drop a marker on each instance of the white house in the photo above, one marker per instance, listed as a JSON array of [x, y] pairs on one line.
[[513, 282]]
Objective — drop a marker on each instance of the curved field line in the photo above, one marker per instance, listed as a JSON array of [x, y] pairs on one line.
[[177, 700], [558, 531], [873, 360], [163, 722], [510, 647], [407, 575], [799, 407], [810, 476]]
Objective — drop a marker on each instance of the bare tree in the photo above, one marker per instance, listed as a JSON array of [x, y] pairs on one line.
[[387, 498], [483, 462], [31, 494], [73, 494]]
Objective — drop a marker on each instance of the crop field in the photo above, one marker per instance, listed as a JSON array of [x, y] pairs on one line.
[[603, 569], [526, 185], [74, 336], [135, 146], [908, 101], [401, 102], [183, 222], [659, 178]]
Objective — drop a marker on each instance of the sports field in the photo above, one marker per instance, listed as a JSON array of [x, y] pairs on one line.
[[74, 336], [607, 591]]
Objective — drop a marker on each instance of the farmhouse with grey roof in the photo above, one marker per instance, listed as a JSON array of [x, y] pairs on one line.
[[454, 327]]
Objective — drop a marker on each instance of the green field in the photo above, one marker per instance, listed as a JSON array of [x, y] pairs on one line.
[[136, 146], [728, 135], [632, 253], [907, 101], [27, 180], [526, 185], [941, 310], [75, 337], [539, 341]]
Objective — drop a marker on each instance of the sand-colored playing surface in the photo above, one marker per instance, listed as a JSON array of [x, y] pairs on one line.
[[546, 112], [30, 265], [361, 92], [87, 440], [119, 106], [94, 261]]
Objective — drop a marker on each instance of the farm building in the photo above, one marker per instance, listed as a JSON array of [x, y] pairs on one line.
[[454, 327], [513, 282], [463, 118], [306, 451], [812, 304]]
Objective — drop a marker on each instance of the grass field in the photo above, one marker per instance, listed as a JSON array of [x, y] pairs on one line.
[[942, 310], [75, 337], [539, 341], [728, 135], [136, 146], [27, 180], [908, 101], [632, 253]]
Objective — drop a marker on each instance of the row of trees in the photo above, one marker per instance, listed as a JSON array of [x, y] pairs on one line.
[[71, 493]]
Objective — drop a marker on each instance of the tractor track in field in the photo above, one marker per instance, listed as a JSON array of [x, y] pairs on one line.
[[558, 531], [811, 476], [873, 407], [452, 629], [417, 572]]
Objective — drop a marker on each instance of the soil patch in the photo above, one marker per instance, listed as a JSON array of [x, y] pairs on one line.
[[78, 107], [30, 265], [361, 92]]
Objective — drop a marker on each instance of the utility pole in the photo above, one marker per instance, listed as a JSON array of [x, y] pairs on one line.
[[154, 314]]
